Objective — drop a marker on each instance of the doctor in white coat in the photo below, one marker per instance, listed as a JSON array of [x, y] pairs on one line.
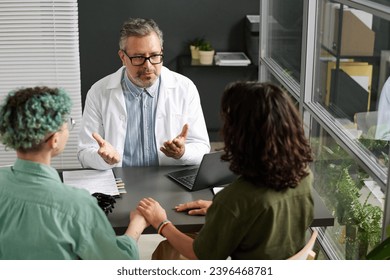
[[143, 114], [383, 123]]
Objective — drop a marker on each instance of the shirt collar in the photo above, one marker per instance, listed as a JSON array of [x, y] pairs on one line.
[[35, 168], [137, 91]]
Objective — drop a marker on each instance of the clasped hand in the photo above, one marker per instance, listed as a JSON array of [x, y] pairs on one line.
[[155, 214]]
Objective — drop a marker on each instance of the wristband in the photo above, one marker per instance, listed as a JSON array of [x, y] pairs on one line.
[[161, 226]]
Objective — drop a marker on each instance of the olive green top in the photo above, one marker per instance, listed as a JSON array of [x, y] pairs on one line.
[[249, 222]]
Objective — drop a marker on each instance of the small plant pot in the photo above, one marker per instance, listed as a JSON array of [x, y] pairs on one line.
[[194, 52], [206, 57]]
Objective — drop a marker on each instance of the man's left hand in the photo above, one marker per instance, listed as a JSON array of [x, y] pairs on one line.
[[175, 148]]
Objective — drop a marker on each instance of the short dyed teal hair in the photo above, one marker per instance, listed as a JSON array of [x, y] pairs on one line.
[[29, 114]]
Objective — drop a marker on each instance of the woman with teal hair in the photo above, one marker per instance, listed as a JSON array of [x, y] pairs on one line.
[[41, 217]]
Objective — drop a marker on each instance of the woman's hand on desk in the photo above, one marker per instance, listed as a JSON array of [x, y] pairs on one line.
[[137, 224], [152, 211], [198, 207], [157, 217], [137, 217]]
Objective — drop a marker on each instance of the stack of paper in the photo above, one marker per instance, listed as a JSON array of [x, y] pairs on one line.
[[94, 181], [231, 59]]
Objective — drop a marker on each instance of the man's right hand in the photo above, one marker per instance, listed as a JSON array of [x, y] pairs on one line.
[[106, 150], [198, 207]]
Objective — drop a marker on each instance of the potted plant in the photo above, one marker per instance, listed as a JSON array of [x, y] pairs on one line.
[[340, 180], [194, 47], [206, 53], [363, 221]]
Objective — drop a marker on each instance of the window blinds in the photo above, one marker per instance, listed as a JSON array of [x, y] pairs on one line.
[[39, 45]]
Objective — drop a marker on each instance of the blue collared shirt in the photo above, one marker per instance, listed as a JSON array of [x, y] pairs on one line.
[[140, 144]]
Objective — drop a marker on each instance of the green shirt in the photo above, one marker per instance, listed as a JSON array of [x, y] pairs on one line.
[[249, 222], [42, 218]]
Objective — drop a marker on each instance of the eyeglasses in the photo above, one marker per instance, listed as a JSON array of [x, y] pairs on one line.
[[139, 60], [71, 123]]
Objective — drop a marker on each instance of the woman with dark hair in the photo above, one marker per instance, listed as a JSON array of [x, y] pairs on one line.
[[266, 211]]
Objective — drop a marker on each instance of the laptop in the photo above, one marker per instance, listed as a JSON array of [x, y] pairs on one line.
[[212, 171]]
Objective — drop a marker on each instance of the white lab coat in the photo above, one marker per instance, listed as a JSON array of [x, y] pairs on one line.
[[383, 123], [178, 104]]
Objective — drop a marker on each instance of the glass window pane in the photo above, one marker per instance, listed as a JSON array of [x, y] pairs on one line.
[[274, 80], [355, 198], [383, 2], [285, 35], [352, 67]]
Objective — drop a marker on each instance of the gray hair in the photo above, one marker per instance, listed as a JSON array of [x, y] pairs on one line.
[[138, 27]]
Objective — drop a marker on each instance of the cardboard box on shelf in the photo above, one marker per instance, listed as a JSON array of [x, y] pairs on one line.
[[357, 39]]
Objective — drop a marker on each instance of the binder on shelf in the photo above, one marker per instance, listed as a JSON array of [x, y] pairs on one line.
[[360, 72], [231, 59], [348, 88]]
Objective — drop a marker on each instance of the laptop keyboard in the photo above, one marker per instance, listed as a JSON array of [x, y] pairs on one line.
[[188, 180]]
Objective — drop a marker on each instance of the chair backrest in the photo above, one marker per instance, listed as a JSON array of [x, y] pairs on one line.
[[306, 253]]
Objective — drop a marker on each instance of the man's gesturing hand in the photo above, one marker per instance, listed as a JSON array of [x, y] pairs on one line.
[[175, 148], [106, 150]]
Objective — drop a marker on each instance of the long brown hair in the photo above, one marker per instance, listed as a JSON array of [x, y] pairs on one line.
[[263, 135]]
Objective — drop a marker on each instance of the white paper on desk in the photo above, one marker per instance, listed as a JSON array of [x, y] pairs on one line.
[[102, 181]]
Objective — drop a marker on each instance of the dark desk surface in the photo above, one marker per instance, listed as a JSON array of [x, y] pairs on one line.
[[152, 182]]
